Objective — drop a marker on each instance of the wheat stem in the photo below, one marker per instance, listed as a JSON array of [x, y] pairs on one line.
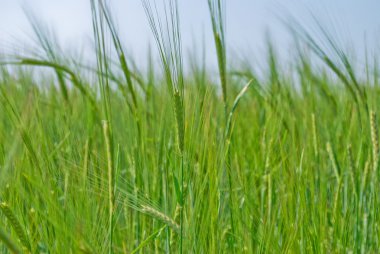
[[315, 139], [111, 194]]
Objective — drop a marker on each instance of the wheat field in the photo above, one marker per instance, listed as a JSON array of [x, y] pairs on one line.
[[105, 157]]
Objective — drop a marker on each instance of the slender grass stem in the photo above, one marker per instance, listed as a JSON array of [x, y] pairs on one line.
[[111, 191]]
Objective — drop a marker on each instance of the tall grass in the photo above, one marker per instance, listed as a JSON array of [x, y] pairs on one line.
[[106, 158]]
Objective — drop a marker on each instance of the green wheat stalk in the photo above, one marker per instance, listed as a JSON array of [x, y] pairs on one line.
[[168, 41], [111, 184]]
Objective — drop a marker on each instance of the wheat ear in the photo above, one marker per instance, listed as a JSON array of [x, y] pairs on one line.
[[161, 217], [375, 140], [178, 109], [15, 225], [333, 161]]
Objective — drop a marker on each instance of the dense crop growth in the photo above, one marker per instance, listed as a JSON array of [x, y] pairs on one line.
[[110, 159]]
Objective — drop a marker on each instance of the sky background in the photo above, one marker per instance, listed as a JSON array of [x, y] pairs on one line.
[[352, 22]]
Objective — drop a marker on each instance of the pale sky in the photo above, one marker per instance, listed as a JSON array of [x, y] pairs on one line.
[[247, 21]]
